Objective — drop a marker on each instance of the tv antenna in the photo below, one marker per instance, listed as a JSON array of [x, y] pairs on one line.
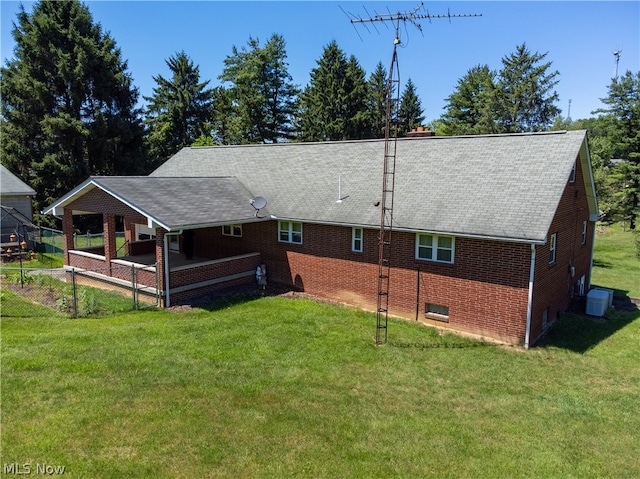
[[616, 53], [390, 149]]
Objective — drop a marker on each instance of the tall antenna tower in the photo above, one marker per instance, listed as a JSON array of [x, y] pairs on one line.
[[390, 149], [616, 54]]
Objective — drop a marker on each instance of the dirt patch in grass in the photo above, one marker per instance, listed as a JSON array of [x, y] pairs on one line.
[[33, 293]]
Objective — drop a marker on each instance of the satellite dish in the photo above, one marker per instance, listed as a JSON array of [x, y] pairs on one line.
[[258, 203]]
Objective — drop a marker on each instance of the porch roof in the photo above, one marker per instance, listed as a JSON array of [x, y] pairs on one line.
[[170, 203]]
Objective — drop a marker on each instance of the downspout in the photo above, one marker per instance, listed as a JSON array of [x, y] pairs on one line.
[[530, 297], [593, 244], [167, 300]]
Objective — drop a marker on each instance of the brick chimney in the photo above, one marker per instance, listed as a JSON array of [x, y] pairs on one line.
[[420, 132]]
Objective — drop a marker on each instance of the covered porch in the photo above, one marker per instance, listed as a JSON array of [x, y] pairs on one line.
[[161, 260]]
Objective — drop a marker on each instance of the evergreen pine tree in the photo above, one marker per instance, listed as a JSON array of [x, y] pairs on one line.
[[261, 89], [410, 112], [471, 109], [526, 99], [620, 137], [179, 110], [323, 113], [68, 104], [376, 102], [357, 93]]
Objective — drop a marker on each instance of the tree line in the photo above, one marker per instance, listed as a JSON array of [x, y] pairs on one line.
[[69, 108]]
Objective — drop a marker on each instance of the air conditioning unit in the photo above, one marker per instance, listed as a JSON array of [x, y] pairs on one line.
[[597, 302], [610, 293]]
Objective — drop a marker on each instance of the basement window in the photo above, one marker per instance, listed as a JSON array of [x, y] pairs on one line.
[[232, 230], [290, 232], [436, 312]]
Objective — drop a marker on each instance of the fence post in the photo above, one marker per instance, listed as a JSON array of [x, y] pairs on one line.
[[133, 286], [75, 292], [158, 292]]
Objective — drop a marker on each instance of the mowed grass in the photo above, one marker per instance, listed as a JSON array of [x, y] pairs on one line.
[[616, 264], [279, 387]]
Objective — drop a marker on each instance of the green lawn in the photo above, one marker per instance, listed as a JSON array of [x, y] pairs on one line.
[[277, 387], [615, 263]]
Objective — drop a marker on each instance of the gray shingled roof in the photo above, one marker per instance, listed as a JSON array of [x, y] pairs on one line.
[[175, 203], [497, 186], [11, 185]]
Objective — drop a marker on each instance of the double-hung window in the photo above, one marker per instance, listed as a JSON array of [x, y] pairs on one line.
[[356, 240], [290, 232], [552, 248], [584, 232], [232, 230], [572, 175], [435, 247]]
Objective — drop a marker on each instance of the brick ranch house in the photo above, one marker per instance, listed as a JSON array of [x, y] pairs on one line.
[[493, 235]]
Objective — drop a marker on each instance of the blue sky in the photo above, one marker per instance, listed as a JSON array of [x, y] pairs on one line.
[[579, 36]]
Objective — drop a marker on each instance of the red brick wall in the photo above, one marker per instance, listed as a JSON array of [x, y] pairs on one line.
[[486, 289], [142, 247], [553, 284], [205, 272], [85, 262], [185, 297], [160, 260], [98, 201]]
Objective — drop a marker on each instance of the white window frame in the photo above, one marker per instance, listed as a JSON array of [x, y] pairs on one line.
[[143, 230], [232, 230], [553, 246], [572, 175], [437, 312], [357, 239], [287, 232], [584, 232], [435, 247]]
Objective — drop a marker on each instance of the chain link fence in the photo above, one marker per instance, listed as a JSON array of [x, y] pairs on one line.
[[27, 292], [51, 241]]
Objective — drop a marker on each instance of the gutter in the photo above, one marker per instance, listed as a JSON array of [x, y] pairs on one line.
[[504, 239], [530, 296], [167, 298]]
